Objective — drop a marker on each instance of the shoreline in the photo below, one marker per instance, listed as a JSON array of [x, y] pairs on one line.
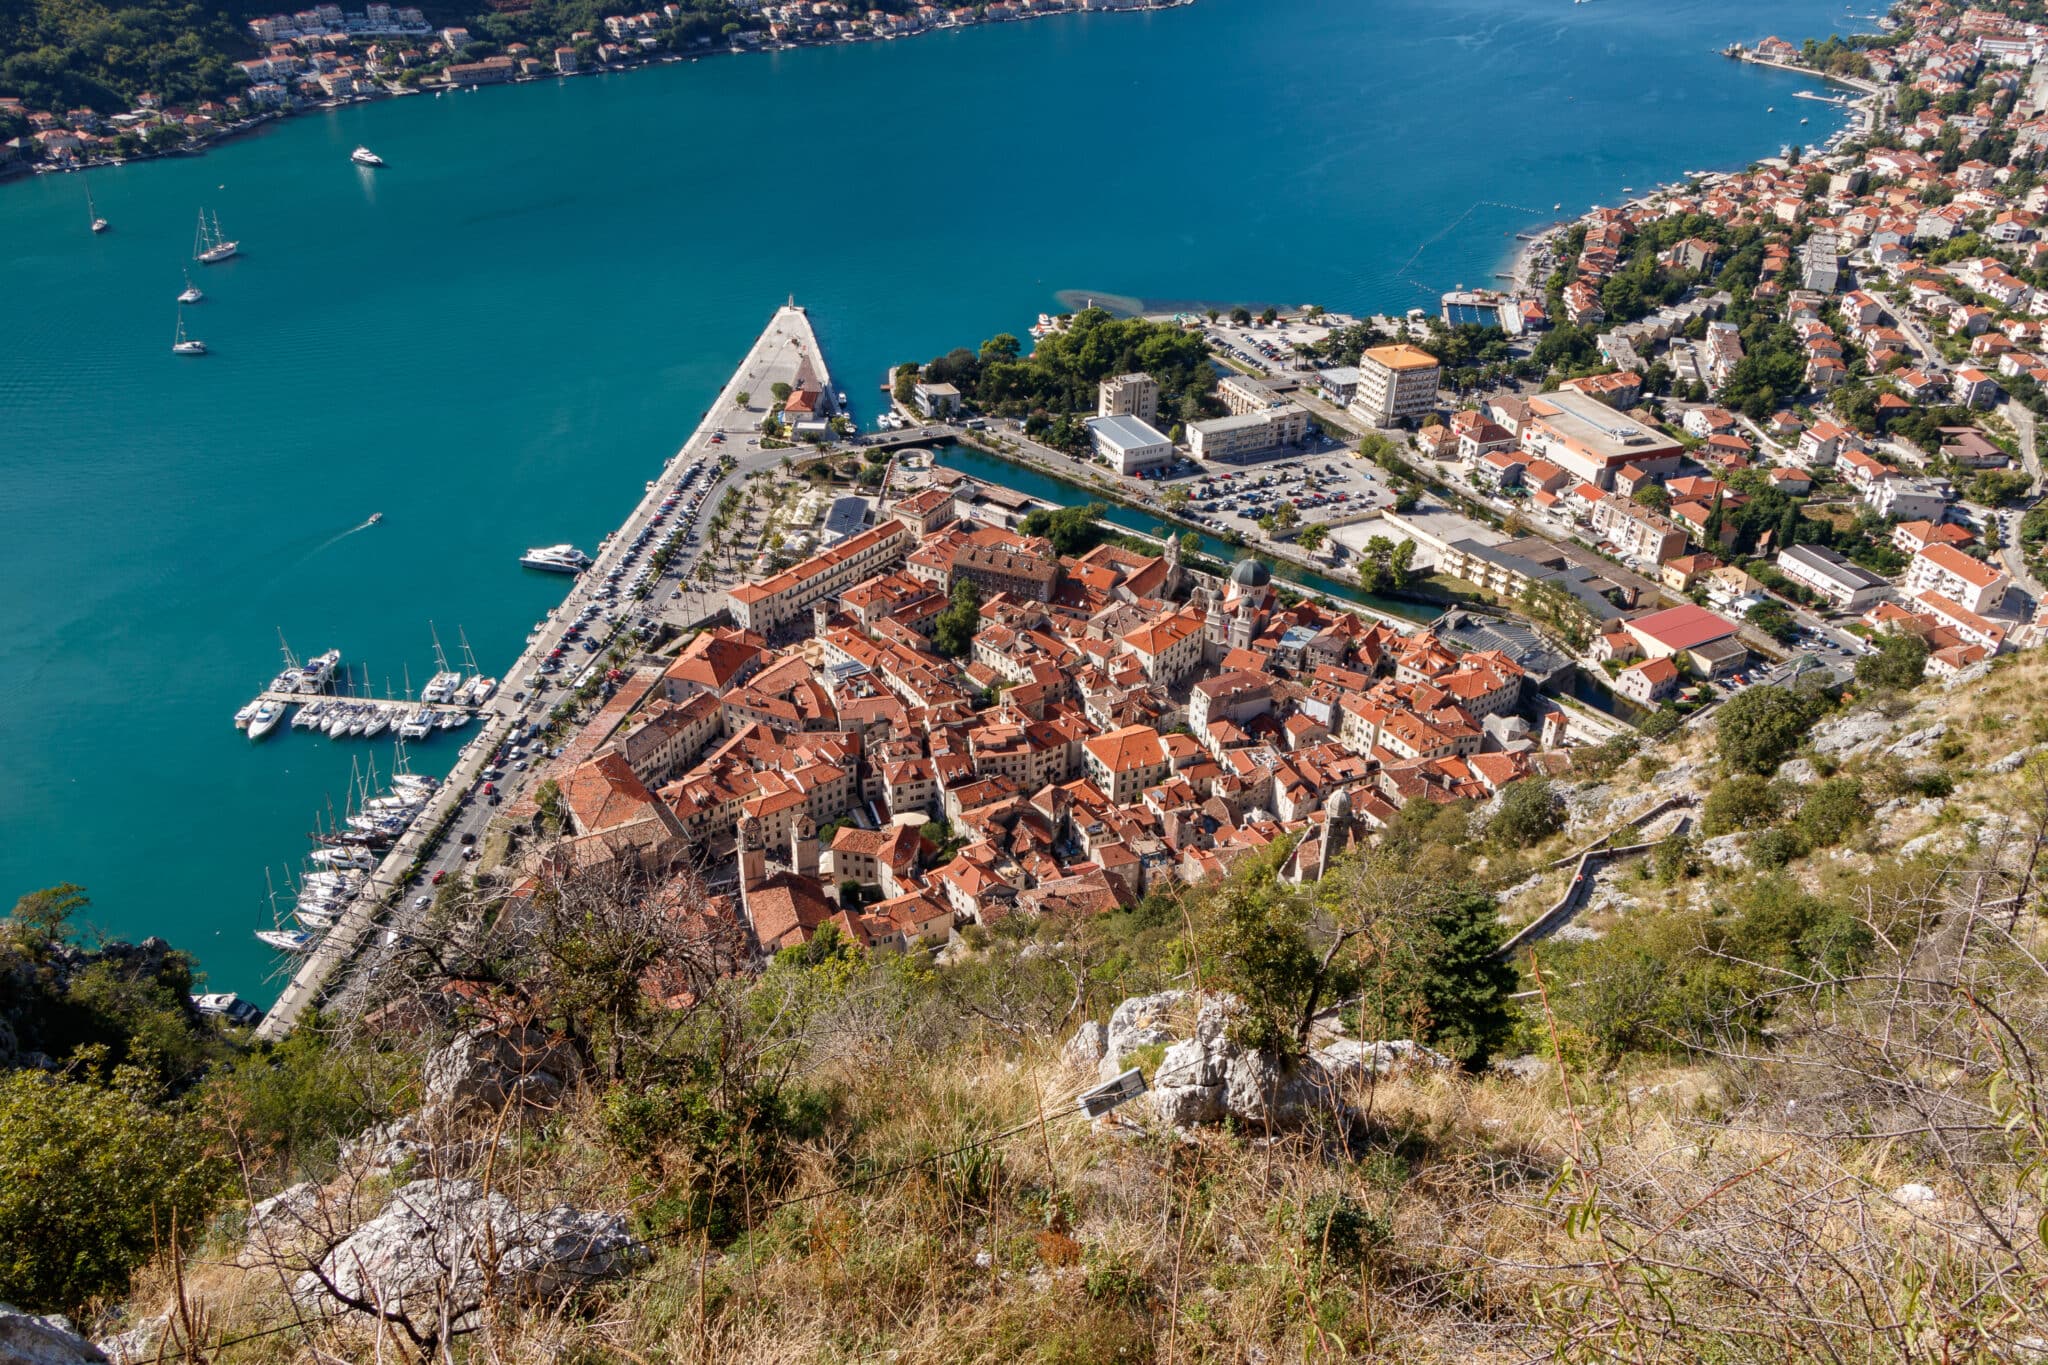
[[200, 145], [1517, 267]]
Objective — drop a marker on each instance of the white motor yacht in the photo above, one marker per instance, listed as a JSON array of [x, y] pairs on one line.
[[266, 718], [556, 559], [319, 670], [363, 156], [345, 857], [229, 1006], [418, 725], [247, 714]]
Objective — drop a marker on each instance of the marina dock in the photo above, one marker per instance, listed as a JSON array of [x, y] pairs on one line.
[[786, 349]]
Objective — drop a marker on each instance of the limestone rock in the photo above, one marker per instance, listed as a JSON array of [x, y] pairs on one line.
[[2014, 761], [1400, 1054], [1086, 1048], [1258, 1090], [382, 1149], [26, 1339], [137, 1345], [443, 1232], [1920, 742], [1208, 1077], [292, 1220], [1187, 1088], [1850, 734], [1912, 1192], [1586, 806], [489, 1068], [1140, 1021], [1799, 772], [1725, 851]]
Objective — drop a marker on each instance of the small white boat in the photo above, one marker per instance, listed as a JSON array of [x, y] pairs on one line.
[[191, 294], [418, 725], [247, 714], [184, 345], [229, 1006], [379, 721], [288, 940], [266, 718], [363, 156]]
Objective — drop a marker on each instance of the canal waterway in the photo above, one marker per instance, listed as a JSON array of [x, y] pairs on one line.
[[497, 338]]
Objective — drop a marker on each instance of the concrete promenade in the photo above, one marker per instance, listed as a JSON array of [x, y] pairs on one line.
[[776, 356]]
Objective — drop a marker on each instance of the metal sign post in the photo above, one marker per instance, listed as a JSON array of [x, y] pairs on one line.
[[1101, 1099]]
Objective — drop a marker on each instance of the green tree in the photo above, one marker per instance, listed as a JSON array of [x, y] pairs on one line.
[[1900, 662], [959, 621], [91, 1180], [1744, 801], [1762, 727], [1240, 315], [1773, 619], [45, 915], [1529, 813], [781, 390], [1072, 530], [742, 398], [1831, 811]]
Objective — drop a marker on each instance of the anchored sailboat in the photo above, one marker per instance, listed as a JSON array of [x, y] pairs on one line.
[[211, 246], [184, 345]]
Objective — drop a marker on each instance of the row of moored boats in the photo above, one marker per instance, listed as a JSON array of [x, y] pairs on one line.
[[346, 859], [440, 705]]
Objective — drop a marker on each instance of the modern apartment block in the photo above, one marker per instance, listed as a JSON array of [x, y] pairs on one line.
[[1128, 395], [1396, 384]]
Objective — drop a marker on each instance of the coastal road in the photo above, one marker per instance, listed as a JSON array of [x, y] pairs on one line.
[[775, 356]]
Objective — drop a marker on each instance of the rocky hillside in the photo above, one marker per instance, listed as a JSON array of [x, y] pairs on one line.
[[1763, 1084]]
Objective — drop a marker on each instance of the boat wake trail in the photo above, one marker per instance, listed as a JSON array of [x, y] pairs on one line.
[[334, 540]]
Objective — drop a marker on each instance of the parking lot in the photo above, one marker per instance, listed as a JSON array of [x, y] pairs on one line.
[[1323, 486]]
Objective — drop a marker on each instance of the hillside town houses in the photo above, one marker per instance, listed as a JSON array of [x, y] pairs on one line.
[[1121, 723], [1900, 272], [324, 54]]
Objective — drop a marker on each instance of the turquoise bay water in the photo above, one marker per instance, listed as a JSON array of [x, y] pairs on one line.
[[497, 338]]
